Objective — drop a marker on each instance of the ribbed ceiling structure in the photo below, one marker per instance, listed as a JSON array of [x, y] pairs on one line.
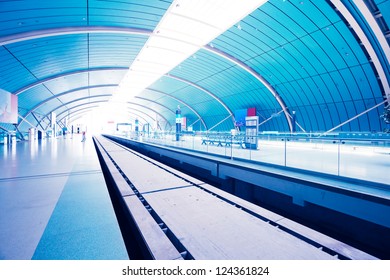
[[326, 60]]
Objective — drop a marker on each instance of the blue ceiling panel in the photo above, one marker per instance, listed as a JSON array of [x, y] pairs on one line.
[[155, 105], [27, 15], [331, 87], [384, 8], [317, 12], [275, 123], [268, 67], [323, 89], [114, 49], [67, 83], [295, 23], [231, 81], [217, 123], [168, 85], [269, 16], [74, 95], [289, 96], [167, 100], [45, 57], [300, 95], [13, 75], [33, 97], [331, 108], [313, 53], [361, 78], [356, 124], [292, 60], [299, 54], [104, 90], [134, 13], [351, 83], [262, 28], [373, 117], [204, 64], [327, 53], [341, 86], [343, 114], [347, 44], [370, 86], [322, 119], [314, 94], [192, 95], [48, 106], [303, 50], [224, 42]]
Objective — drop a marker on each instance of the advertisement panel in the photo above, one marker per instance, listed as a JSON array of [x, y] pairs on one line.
[[8, 107]]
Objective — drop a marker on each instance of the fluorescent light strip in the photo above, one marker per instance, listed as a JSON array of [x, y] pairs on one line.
[[187, 26]]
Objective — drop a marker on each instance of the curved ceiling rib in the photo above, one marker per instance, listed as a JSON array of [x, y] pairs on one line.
[[107, 29], [42, 33], [98, 86], [78, 112], [62, 75], [81, 112], [181, 101], [95, 106], [2, 128], [79, 105], [154, 111], [28, 123], [257, 76], [153, 101], [371, 20], [64, 93], [131, 109], [138, 115], [66, 74], [367, 44], [66, 104], [204, 90]]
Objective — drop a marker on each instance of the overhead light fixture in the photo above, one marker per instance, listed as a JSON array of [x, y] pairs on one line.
[[185, 28]]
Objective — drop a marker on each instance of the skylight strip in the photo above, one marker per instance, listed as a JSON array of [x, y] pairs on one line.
[[186, 27]]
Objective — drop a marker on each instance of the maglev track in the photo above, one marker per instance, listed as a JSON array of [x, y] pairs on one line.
[[166, 214]]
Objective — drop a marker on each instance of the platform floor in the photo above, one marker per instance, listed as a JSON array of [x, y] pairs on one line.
[[54, 203]]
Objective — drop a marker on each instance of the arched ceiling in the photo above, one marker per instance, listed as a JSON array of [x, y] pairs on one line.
[[327, 60]]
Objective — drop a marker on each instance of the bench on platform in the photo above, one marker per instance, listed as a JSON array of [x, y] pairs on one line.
[[221, 140]]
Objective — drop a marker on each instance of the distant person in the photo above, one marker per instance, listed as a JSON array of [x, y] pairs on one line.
[[64, 130], [83, 137]]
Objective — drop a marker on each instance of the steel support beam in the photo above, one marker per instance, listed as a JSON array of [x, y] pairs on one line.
[[349, 17]]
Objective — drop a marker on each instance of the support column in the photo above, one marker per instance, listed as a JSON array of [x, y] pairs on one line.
[[178, 123]]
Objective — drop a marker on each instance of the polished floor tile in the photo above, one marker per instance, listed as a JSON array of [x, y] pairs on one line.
[[54, 203]]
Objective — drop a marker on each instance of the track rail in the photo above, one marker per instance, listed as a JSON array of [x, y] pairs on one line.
[[332, 247]]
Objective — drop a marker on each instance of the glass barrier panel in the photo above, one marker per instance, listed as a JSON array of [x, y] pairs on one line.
[[314, 154], [365, 159], [271, 149]]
